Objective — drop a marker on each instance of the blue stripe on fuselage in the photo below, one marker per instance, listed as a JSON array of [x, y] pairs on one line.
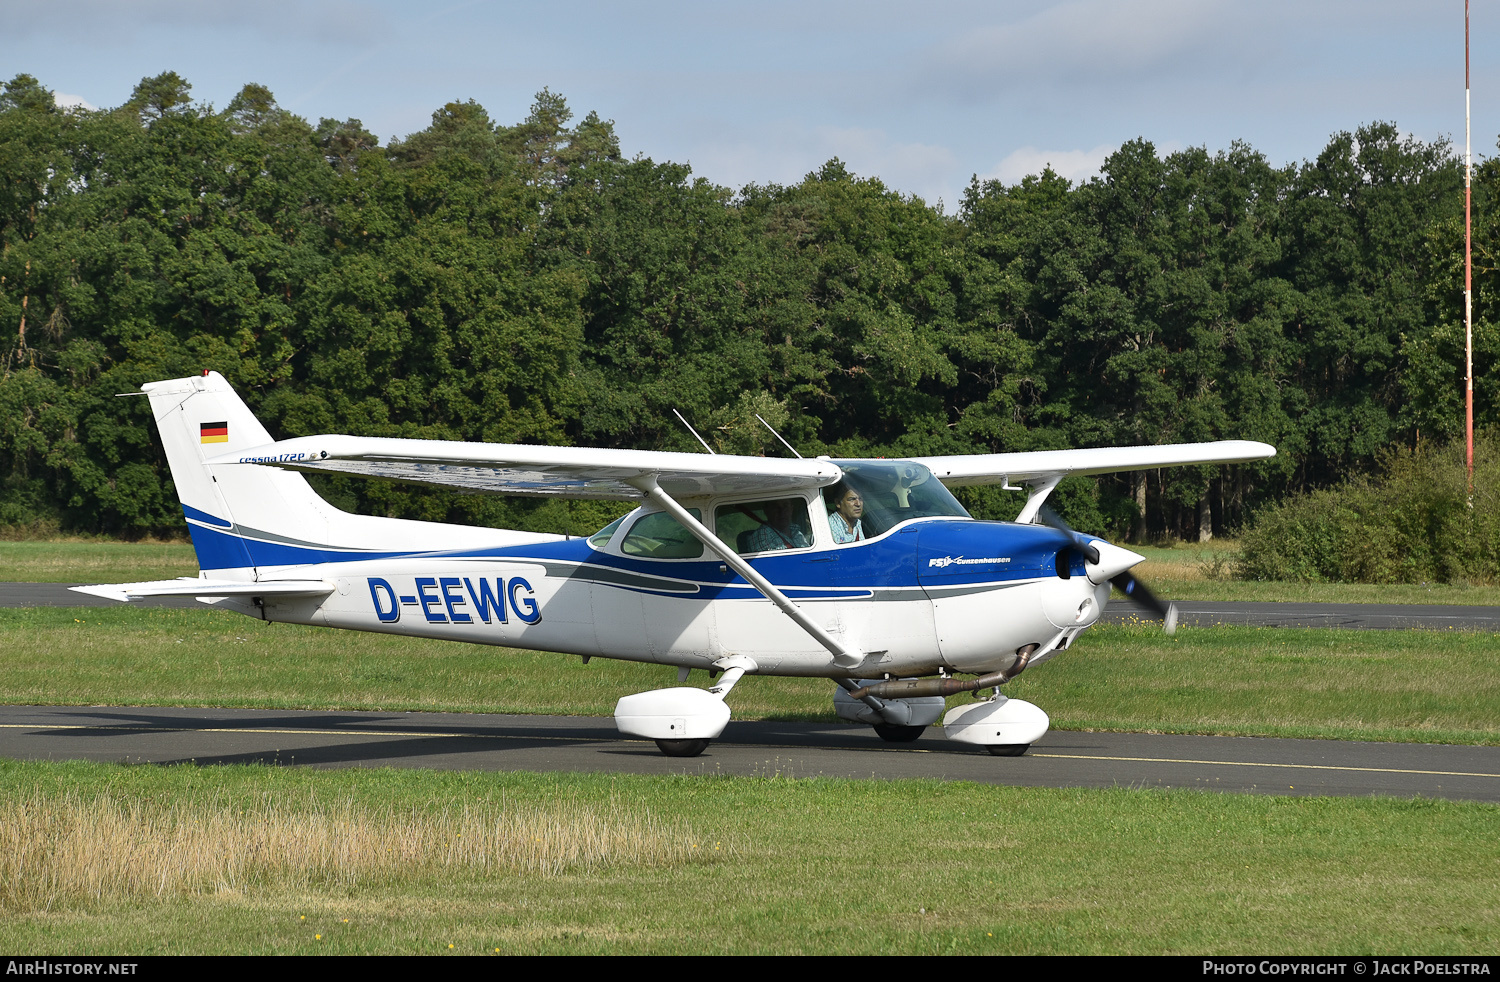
[[226, 550], [203, 516], [900, 559]]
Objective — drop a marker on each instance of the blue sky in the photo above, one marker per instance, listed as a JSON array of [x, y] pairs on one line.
[[920, 95]]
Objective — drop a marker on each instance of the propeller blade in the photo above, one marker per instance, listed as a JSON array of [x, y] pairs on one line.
[[1080, 541], [1138, 591]]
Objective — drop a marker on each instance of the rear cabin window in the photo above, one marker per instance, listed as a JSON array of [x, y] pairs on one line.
[[764, 526], [660, 536]]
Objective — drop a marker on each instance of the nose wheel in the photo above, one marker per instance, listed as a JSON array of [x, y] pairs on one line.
[[894, 733], [1008, 749]]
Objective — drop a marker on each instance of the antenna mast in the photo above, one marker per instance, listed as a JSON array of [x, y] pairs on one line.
[[779, 437], [695, 432]]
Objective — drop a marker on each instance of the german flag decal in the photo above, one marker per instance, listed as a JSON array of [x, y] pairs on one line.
[[214, 432]]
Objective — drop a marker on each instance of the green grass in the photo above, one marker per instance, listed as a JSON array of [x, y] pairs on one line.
[[822, 867], [95, 561], [171, 656], [801, 866], [1404, 686], [1202, 571], [1425, 686]]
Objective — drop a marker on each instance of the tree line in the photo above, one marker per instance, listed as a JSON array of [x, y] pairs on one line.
[[527, 283]]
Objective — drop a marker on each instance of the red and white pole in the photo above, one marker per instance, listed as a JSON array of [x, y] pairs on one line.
[[1468, 270]]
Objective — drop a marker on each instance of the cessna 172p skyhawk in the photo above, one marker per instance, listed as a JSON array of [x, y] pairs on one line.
[[729, 564]]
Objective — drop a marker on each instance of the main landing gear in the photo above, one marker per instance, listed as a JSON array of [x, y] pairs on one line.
[[682, 748], [682, 721]]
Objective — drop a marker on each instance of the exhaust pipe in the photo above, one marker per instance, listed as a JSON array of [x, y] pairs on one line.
[[915, 688]]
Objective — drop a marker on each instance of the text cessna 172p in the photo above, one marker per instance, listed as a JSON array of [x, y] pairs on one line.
[[729, 564]]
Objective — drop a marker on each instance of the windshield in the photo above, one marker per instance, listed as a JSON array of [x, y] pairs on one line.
[[660, 536], [601, 538], [894, 491]]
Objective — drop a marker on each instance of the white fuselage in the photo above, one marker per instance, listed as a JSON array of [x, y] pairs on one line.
[[911, 610]]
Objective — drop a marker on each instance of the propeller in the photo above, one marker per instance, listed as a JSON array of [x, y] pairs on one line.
[[1133, 588], [1125, 582]]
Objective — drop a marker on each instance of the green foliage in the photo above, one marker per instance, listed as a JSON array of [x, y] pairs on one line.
[[525, 283], [25, 93], [156, 98], [1358, 238], [1411, 523]]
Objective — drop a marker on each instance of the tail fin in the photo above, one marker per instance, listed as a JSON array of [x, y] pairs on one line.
[[245, 519], [234, 518]]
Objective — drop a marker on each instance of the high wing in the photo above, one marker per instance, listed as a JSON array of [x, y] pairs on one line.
[[1002, 468], [572, 472], [585, 472], [1043, 469], [563, 472]]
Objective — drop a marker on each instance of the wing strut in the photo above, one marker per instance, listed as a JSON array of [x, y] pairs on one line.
[[843, 655], [1040, 489]]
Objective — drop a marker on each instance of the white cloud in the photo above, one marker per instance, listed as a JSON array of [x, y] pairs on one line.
[[1076, 165], [917, 168], [785, 153], [72, 101]]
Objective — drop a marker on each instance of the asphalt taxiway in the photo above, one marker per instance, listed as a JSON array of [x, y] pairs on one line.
[[768, 748], [1061, 759]]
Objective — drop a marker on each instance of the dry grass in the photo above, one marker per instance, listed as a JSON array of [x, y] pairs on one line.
[[71, 850], [818, 866]]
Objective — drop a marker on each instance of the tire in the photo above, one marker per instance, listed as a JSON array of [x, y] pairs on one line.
[[892, 733], [1008, 749], [682, 748]]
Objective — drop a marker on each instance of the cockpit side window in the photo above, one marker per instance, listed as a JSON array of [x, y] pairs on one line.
[[660, 536], [894, 491], [764, 526]]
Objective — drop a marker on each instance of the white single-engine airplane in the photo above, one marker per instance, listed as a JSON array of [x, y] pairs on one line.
[[730, 564]]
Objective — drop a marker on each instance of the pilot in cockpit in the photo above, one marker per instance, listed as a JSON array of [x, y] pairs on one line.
[[846, 507]]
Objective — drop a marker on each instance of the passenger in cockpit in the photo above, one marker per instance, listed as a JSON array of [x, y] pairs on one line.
[[846, 508], [779, 531]]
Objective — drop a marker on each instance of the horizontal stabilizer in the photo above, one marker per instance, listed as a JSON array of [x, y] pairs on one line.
[[187, 586]]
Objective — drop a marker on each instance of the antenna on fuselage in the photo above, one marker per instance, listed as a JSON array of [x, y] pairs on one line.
[[779, 437], [693, 431]]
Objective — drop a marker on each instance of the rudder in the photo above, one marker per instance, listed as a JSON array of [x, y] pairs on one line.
[[234, 514]]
